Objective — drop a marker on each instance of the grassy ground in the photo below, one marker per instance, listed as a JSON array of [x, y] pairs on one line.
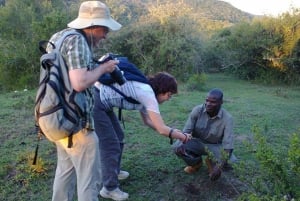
[[155, 173]]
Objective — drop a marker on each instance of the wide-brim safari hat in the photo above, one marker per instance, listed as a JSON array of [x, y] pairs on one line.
[[94, 13]]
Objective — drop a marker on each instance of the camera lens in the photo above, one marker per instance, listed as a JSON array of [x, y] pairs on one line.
[[117, 75]]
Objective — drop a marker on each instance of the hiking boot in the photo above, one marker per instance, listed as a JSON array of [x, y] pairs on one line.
[[193, 168], [213, 169], [123, 175], [116, 194]]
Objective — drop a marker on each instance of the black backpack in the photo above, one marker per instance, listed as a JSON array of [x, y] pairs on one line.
[[130, 72]]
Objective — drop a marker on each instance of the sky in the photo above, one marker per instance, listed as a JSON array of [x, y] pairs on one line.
[[265, 7]]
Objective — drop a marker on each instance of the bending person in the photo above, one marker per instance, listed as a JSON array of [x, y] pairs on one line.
[[159, 89]]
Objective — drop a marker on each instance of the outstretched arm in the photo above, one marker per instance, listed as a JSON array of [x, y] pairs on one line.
[[155, 121]]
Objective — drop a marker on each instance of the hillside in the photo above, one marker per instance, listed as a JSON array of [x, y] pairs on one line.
[[36, 20], [205, 11], [217, 10]]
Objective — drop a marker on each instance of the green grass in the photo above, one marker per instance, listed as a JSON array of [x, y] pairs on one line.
[[156, 174]]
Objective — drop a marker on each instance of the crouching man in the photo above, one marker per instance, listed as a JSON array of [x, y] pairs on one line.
[[212, 135]]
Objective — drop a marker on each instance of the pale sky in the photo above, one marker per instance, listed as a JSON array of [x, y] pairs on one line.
[[265, 7]]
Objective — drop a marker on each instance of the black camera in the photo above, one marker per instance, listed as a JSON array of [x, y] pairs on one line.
[[117, 74]]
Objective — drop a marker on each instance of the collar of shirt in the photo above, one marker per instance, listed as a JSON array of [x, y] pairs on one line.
[[219, 115]]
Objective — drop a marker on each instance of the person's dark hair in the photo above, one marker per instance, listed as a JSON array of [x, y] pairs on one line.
[[163, 82]]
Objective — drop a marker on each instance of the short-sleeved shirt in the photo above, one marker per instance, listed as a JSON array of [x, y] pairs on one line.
[[141, 92], [77, 54], [216, 130]]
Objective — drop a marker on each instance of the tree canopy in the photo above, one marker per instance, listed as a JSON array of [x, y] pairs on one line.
[[182, 37]]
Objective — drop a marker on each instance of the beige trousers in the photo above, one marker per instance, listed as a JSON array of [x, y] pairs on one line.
[[79, 164]]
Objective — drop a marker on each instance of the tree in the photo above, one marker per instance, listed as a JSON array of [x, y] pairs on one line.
[[164, 40], [264, 49], [32, 20]]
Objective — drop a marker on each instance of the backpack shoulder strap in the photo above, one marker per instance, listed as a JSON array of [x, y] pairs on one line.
[[59, 42], [128, 98]]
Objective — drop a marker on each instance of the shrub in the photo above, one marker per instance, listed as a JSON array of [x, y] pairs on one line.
[[196, 82], [165, 39], [279, 170]]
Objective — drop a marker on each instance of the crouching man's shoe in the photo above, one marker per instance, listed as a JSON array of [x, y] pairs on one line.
[[115, 194], [193, 168]]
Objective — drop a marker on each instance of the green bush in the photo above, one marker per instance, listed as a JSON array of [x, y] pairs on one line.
[[196, 82], [278, 169], [294, 155], [165, 39], [32, 21]]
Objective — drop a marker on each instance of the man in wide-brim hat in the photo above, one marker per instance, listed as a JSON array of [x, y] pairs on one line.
[[81, 162]]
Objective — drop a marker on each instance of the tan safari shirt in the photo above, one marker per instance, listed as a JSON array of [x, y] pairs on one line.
[[216, 130]]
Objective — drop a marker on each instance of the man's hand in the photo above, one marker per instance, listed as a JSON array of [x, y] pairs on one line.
[[187, 138], [215, 173]]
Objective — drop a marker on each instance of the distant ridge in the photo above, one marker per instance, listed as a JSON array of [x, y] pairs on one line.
[[217, 12]]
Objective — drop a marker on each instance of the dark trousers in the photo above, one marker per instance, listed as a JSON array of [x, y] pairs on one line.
[[195, 149], [111, 144]]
